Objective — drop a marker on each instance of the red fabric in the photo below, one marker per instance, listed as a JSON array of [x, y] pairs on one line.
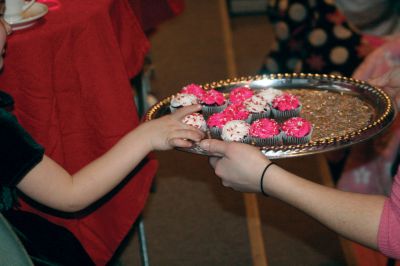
[[160, 11], [69, 76], [368, 257]]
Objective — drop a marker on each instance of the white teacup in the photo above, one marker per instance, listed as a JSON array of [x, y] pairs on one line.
[[15, 8]]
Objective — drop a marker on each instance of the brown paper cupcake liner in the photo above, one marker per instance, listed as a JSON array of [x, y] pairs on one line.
[[209, 110], [272, 141], [290, 140], [215, 132], [256, 116], [284, 115]]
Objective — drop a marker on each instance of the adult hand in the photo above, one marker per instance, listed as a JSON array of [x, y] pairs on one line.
[[169, 131], [238, 165]]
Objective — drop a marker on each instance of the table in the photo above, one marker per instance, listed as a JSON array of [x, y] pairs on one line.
[[70, 79]]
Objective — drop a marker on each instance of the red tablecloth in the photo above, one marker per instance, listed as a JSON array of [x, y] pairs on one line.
[[69, 76], [160, 11]]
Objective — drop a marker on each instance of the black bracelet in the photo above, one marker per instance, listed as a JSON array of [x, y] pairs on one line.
[[262, 178]]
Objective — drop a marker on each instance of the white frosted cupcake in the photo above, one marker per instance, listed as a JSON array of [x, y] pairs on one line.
[[236, 130], [196, 120], [269, 94], [182, 99], [258, 107]]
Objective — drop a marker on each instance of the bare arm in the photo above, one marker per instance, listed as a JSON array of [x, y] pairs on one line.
[[51, 185], [352, 215]]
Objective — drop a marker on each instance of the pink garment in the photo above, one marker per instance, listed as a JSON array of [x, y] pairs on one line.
[[368, 165], [389, 227]]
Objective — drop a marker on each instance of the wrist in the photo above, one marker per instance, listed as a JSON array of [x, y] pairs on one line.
[[262, 178], [143, 133]]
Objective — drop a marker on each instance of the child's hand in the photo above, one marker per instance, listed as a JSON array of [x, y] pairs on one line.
[[168, 131]]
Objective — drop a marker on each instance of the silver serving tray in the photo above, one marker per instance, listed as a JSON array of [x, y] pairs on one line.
[[379, 105]]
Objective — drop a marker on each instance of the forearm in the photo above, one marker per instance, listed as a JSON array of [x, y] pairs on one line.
[[355, 216], [100, 176], [50, 184]]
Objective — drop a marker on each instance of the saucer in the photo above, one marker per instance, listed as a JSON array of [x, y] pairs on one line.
[[30, 16]]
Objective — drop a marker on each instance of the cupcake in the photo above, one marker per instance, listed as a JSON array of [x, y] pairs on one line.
[[296, 130], [257, 107], [236, 130], [182, 99], [196, 120], [216, 122], [213, 101], [194, 89], [239, 95], [237, 112], [285, 106], [269, 94], [265, 132]]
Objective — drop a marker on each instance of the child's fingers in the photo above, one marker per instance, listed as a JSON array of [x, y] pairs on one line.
[[182, 143], [189, 134], [186, 110]]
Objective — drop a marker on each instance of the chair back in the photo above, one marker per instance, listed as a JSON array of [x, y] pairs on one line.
[[12, 252]]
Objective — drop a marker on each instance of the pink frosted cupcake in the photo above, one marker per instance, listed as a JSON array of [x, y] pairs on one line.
[[285, 106], [269, 94], [196, 120], [236, 130], [265, 132], [194, 89], [216, 122], [296, 130], [213, 101], [237, 112], [257, 107], [239, 95], [182, 99]]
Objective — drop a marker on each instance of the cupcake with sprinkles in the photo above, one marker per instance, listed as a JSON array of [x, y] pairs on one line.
[[240, 94], [265, 132], [182, 99], [296, 130], [269, 94], [213, 101], [285, 106], [237, 112], [257, 107], [194, 89], [216, 122], [196, 120], [236, 130]]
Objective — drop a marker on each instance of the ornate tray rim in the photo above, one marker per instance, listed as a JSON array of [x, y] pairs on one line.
[[382, 122]]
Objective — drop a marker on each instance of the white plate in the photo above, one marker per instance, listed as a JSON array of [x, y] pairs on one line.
[[30, 16]]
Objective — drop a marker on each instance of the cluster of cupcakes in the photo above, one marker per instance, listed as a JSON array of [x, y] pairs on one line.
[[265, 117]]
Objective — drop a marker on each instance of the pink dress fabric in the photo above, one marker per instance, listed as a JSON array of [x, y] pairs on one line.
[[389, 228], [368, 167]]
